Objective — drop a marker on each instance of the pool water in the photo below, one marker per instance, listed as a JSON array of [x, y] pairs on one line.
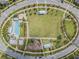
[[17, 28]]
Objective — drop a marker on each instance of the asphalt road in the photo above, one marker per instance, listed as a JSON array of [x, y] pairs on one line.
[[17, 6]]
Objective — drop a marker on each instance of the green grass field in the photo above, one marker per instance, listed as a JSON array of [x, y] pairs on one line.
[[22, 29], [49, 25], [45, 25], [70, 27]]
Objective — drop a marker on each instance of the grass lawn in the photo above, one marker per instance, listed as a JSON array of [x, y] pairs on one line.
[[45, 41], [70, 28], [71, 1], [45, 25], [22, 30], [48, 25]]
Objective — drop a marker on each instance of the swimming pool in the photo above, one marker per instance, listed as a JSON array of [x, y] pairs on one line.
[[17, 27]]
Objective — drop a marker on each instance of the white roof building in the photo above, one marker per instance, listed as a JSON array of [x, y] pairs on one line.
[[42, 12], [47, 45], [14, 41]]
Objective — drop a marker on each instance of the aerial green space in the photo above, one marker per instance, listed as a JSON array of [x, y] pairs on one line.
[[38, 27], [70, 28], [45, 25]]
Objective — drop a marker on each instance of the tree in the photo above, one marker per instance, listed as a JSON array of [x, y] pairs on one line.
[[59, 37]]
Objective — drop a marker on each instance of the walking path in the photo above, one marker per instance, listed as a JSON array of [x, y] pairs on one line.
[[17, 6]]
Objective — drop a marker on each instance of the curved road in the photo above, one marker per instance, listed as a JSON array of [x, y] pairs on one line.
[[66, 51]]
